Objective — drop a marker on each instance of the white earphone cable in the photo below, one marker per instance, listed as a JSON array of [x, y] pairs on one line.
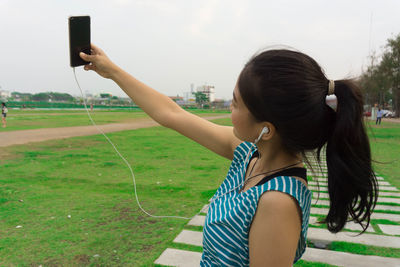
[[125, 161]]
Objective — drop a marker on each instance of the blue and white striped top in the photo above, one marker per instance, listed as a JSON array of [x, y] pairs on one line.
[[230, 213]]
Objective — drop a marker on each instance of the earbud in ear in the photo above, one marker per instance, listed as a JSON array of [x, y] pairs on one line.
[[264, 130]]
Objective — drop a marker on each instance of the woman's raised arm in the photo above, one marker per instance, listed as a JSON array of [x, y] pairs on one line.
[[217, 138]]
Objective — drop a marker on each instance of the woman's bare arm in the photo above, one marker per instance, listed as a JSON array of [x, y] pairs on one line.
[[275, 231], [217, 138]]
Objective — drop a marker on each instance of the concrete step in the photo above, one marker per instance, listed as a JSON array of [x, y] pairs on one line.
[[204, 209], [366, 239], [197, 220], [388, 188], [380, 199], [377, 207], [324, 182], [190, 237], [391, 194], [390, 229], [318, 175], [325, 174], [349, 226], [312, 183], [321, 180], [196, 238], [388, 200], [181, 258], [324, 187], [375, 215], [316, 188], [356, 227], [337, 258]]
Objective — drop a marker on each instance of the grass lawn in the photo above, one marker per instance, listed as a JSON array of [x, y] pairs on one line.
[[42, 184], [385, 147], [35, 119]]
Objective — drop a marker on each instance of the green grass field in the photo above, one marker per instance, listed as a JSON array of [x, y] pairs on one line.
[[36, 119], [42, 184], [385, 147]]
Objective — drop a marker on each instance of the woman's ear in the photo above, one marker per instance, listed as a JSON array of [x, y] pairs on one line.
[[270, 133]]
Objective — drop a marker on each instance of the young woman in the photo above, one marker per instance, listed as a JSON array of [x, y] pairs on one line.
[[4, 111], [259, 215]]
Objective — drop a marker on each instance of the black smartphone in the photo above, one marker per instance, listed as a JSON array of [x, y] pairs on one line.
[[79, 39]]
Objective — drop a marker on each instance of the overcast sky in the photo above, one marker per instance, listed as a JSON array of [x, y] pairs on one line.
[[172, 44]]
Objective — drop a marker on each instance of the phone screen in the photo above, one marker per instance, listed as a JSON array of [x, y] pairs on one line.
[[79, 39]]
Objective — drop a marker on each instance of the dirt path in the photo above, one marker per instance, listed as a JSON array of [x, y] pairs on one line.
[[396, 120], [45, 114], [38, 135]]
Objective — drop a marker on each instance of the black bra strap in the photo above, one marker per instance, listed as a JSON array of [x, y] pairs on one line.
[[296, 171]]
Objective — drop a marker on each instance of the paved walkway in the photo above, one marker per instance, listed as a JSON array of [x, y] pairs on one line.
[[37, 135], [383, 233]]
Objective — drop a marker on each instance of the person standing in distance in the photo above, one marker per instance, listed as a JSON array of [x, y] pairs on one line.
[[4, 111], [379, 115], [259, 215]]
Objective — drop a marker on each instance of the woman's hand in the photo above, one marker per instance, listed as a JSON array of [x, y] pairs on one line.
[[99, 62]]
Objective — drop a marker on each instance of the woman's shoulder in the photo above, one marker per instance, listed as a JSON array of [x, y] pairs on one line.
[[290, 187], [277, 202]]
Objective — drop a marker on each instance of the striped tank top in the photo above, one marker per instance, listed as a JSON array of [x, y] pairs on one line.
[[230, 213]]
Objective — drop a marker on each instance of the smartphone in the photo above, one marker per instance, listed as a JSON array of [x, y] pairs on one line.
[[79, 39]]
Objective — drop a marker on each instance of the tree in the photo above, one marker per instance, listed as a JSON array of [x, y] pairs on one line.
[[391, 67], [41, 97], [61, 97], [375, 83], [53, 96], [21, 96], [201, 98], [381, 80], [105, 95]]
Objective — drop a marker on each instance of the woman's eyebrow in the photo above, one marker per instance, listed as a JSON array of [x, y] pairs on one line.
[[234, 98]]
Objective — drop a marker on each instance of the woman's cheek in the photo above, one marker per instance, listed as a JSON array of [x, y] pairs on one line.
[[236, 125], [233, 119]]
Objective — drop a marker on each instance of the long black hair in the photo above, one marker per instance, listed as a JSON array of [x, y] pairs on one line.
[[288, 89]]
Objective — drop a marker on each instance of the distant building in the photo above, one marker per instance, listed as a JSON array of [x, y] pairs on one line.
[[5, 94], [187, 96], [176, 98], [220, 104], [208, 90]]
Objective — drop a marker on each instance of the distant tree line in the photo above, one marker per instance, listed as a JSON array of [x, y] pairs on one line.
[[381, 80], [45, 97], [105, 98]]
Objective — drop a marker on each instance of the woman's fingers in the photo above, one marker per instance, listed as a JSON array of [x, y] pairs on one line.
[[86, 57], [88, 67], [99, 62], [96, 49]]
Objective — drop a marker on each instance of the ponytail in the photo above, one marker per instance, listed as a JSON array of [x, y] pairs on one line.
[[352, 184]]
